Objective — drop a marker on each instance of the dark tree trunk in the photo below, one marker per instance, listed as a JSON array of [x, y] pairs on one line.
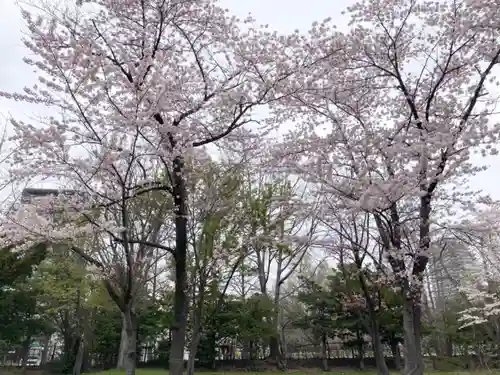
[[276, 354], [53, 355], [449, 347], [324, 349], [273, 348], [176, 365], [77, 367], [378, 346]]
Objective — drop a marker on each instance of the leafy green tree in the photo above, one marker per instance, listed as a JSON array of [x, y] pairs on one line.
[[321, 314], [247, 320], [20, 318], [391, 320], [18, 265], [352, 321]]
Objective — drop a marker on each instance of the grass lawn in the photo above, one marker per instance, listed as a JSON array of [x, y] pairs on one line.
[[336, 372]]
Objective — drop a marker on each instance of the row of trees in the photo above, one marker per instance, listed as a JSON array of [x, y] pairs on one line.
[[310, 310], [164, 142]]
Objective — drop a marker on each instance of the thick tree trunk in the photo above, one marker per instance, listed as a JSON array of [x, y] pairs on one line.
[[411, 329], [129, 321], [176, 365]]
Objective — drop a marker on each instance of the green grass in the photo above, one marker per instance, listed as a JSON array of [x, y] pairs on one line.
[[312, 372]]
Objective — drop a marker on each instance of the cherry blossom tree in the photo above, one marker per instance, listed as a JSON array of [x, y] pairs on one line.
[[390, 123], [138, 89], [480, 284]]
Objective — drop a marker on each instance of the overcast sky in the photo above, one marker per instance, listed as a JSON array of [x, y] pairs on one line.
[[283, 15]]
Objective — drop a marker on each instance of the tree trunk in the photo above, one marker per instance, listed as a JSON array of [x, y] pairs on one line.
[[53, 355], [378, 347], [195, 341], [130, 351], [448, 347], [77, 367], [275, 343], [374, 325], [282, 347], [396, 354], [176, 362], [361, 356], [120, 364], [273, 348], [45, 351], [411, 329], [324, 349], [193, 348]]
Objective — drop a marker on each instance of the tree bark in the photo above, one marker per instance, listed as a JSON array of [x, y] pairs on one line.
[[120, 364], [45, 352], [130, 351], [377, 346], [53, 355], [195, 340], [275, 341], [176, 361], [412, 345], [324, 348], [193, 349], [77, 367]]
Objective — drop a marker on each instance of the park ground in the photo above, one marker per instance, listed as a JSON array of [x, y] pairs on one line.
[[333, 372], [4, 371]]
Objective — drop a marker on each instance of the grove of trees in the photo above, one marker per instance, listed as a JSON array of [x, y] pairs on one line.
[[164, 205]]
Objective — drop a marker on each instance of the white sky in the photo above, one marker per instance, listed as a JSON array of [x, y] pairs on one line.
[[283, 15]]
